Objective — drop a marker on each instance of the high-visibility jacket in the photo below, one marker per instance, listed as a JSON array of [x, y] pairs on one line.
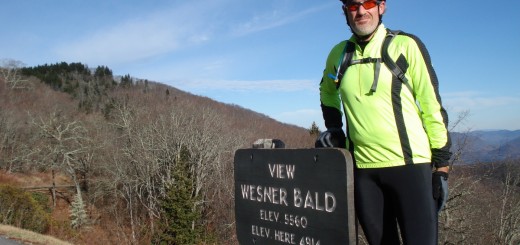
[[396, 124]]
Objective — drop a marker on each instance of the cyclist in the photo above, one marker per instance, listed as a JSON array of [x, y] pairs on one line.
[[396, 128]]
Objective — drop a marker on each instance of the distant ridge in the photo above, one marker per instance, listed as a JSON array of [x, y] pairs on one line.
[[487, 145]]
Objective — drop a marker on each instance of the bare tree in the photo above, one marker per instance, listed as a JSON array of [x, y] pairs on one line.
[[65, 144], [151, 145], [141, 164], [463, 141], [508, 229], [10, 73], [10, 144], [455, 223], [211, 145]]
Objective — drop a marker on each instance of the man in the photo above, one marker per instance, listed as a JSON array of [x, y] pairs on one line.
[[396, 128]]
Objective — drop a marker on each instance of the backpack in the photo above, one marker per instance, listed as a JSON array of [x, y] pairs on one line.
[[385, 58]]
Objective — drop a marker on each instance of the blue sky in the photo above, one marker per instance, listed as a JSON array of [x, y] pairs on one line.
[[268, 55]]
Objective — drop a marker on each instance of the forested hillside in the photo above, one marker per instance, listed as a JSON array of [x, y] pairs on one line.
[[99, 159], [126, 146]]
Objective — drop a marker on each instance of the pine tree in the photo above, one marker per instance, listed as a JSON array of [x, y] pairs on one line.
[[179, 218], [314, 130], [127, 81]]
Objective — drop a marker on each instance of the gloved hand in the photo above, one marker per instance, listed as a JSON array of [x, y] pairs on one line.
[[333, 137], [440, 189]]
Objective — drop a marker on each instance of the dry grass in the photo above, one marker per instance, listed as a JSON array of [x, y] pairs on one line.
[[29, 237]]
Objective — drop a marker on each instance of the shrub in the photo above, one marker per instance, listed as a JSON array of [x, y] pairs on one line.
[[19, 208], [43, 200]]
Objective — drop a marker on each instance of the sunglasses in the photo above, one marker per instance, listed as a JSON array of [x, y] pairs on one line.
[[354, 6]]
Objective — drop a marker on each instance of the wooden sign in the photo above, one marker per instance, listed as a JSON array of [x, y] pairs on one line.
[[294, 196]]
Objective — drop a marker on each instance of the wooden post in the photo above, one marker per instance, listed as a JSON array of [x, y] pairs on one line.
[[53, 189]]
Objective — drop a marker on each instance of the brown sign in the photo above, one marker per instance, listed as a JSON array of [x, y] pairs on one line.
[[294, 196]]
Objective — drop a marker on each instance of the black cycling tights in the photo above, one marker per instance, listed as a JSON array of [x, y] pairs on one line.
[[386, 197]]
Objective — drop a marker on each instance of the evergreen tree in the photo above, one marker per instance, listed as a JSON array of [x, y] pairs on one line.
[[178, 223], [127, 81], [78, 215], [314, 130], [102, 71]]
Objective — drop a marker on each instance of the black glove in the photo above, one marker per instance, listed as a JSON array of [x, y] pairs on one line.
[[333, 137], [440, 189]]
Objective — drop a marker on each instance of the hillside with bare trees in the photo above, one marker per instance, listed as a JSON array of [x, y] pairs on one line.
[[111, 160], [118, 144]]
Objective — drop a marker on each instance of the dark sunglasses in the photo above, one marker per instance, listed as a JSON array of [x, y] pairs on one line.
[[354, 6]]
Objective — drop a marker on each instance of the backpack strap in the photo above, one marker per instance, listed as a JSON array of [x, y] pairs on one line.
[[348, 53], [344, 63], [392, 66]]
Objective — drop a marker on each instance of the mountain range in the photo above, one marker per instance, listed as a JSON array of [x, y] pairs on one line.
[[482, 146]]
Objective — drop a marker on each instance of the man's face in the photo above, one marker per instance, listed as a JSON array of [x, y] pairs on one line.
[[363, 16]]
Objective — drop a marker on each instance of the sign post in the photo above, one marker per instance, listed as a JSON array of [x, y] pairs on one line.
[[294, 196]]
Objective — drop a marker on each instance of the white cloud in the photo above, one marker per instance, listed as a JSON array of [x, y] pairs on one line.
[[475, 101], [143, 36], [171, 29], [262, 22], [272, 19], [485, 111]]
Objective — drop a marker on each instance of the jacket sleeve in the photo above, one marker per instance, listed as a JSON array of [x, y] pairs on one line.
[[426, 89], [329, 95]]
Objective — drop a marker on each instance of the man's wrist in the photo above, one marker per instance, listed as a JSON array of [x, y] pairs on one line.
[[445, 169]]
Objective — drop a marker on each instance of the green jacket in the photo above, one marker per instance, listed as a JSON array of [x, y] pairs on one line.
[[396, 124]]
